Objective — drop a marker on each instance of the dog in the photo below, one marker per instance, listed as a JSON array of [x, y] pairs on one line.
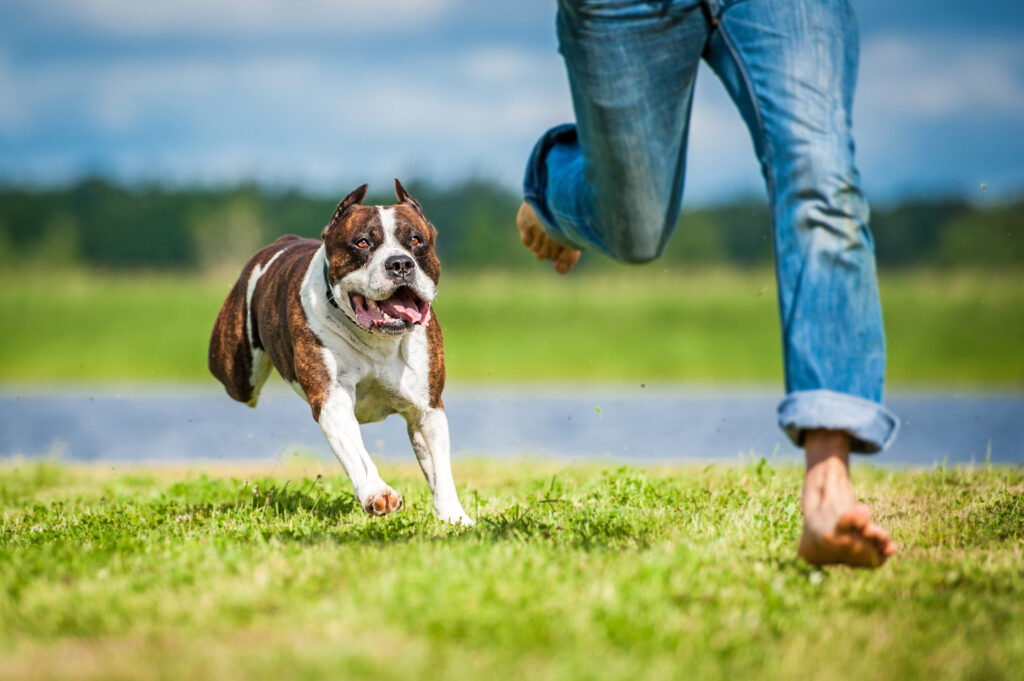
[[347, 321]]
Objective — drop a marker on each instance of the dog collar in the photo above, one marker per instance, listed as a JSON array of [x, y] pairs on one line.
[[334, 303], [327, 282]]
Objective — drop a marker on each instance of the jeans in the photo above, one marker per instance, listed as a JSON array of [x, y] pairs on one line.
[[613, 181]]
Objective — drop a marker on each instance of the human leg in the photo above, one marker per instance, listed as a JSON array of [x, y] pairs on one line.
[[613, 181], [790, 65]]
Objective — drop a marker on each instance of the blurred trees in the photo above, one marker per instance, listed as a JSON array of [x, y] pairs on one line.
[[98, 223]]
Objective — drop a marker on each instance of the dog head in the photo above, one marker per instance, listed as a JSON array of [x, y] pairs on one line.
[[381, 264]]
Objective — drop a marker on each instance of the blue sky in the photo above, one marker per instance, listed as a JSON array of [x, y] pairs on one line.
[[326, 94]]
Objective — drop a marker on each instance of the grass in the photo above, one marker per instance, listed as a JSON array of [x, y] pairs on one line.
[[632, 325], [584, 572]]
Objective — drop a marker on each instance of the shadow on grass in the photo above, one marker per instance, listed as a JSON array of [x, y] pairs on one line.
[[305, 512], [621, 509], [309, 498]]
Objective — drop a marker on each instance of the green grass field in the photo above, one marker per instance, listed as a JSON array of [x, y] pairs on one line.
[[630, 325], [584, 572]]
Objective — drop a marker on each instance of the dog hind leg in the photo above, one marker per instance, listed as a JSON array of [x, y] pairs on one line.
[[230, 357], [260, 372]]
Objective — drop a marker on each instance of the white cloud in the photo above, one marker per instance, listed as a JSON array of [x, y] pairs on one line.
[[322, 119], [227, 18], [13, 110], [428, 98], [308, 120], [508, 64], [931, 78], [939, 112], [288, 119]]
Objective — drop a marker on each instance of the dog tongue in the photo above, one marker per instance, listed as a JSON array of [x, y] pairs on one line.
[[403, 305], [366, 315]]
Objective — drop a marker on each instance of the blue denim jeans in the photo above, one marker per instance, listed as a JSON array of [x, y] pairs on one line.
[[613, 181]]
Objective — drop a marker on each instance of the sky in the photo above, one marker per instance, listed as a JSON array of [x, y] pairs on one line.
[[326, 94]]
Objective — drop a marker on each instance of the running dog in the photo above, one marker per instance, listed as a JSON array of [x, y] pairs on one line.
[[347, 321]]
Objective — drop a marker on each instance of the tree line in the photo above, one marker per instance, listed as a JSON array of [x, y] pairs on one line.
[[99, 223]]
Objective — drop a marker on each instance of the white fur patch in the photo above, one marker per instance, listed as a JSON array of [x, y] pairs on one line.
[[257, 272], [387, 221], [378, 276], [260, 363]]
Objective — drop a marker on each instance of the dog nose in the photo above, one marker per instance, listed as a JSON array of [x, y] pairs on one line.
[[399, 266]]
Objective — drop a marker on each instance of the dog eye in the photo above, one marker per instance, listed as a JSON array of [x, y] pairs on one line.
[[416, 241], [362, 243]]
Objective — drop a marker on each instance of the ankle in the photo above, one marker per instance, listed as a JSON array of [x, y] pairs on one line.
[[822, 445], [827, 483]]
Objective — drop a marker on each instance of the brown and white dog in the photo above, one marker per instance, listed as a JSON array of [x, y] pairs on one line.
[[347, 321]]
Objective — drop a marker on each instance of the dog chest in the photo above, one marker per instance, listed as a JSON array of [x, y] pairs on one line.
[[376, 401]]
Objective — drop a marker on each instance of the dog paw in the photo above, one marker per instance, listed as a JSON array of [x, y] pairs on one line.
[[382, 502], [456, 517]]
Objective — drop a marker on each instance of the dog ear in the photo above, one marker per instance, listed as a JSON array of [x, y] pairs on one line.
[[404, 197], [353, 199]]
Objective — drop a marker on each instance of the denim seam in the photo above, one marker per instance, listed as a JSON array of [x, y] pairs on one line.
[[769, 169], [770, 175]]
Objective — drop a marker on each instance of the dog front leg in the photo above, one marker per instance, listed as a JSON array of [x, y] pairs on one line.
[[428, 432], [337, 420]]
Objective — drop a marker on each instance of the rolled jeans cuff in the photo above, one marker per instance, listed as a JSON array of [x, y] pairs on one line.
[[871, 426], [535, 182]]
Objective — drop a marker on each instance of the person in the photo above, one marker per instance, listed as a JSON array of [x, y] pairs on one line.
[[613, 183]]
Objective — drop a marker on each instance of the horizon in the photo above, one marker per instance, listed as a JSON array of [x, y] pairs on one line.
[[980, 199]]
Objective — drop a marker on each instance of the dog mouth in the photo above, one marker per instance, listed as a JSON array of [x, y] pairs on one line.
[[397, 314]]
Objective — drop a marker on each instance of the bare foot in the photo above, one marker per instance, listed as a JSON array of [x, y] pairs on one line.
[[837, 529], [543, 247]]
